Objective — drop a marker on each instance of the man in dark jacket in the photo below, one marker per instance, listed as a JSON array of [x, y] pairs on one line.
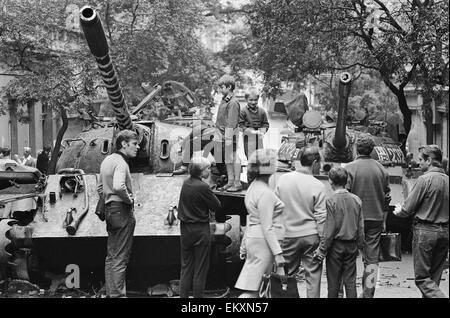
[[196, 200], [43, 159], [429, 203], [369, 180]]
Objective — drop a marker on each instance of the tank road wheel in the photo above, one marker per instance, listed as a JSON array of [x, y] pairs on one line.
[[225, 253], [232, 249], [15, 249]]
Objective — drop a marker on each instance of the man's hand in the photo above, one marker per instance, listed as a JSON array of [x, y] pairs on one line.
[[318, 256], [398, 209]]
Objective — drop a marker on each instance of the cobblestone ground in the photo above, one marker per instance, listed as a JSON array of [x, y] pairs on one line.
[[395, 280]]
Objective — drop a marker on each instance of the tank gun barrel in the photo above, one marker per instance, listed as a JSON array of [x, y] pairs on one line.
[[345, 82], [96, 39]]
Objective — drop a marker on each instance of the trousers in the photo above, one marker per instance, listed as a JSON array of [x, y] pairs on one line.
[[195, 241], [120, 224], [341, 268], [300, 250], [430, 248], [371, 255]]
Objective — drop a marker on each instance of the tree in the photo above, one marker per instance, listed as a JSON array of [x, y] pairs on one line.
[[404, 41], [38, 42], [155, 41], [150, 41]]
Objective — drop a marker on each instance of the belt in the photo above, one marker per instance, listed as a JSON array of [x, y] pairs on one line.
[[419, 221]]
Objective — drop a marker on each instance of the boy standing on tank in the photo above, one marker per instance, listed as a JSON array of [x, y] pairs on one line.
[[253, 123]]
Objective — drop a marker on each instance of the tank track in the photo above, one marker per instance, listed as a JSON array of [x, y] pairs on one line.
[[15, 249]]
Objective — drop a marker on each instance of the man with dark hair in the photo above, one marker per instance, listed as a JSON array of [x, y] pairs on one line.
[[428, 203], [369, 180], [343, 235], [253, 123], [304, 216], [196, 200], [43, 159], [115, 187]]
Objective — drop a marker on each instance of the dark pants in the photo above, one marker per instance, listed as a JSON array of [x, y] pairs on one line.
[[341, 267], [298, 250], [220, 152], [430, 248], [252, 143], [120, 224], [195, 241], [371, 255]]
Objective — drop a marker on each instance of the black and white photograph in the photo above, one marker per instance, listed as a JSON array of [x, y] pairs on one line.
[[237, 151]]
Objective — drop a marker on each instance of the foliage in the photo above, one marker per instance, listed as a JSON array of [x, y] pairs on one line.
[[155, 41], [367, 92], [404, 41], [53, 71]]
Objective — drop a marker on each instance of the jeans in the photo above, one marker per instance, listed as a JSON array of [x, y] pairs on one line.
[[341, 268], [298, 250], [195, 241], [120, 224], [430, 248]]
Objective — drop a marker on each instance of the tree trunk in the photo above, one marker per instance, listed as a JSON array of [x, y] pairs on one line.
[[403, 105], [59, 137]]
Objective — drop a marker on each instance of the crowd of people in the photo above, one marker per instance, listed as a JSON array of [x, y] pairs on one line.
[[291, 221], [41, 162]]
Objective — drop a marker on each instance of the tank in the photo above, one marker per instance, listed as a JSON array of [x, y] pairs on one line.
[[336, 141], [64, 232]]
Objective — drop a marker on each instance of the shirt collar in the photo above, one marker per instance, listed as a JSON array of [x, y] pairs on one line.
[[228, 97], [123, 156], [435, 169], [196, 178], [255, 110], [341, 191], [304, 170], [364, 157]]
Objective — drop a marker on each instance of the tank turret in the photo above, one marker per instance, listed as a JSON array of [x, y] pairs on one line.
[[156, 138]]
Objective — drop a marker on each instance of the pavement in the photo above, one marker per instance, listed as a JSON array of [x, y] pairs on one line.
[[395, 280]]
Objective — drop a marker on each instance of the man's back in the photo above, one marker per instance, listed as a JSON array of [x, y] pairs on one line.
[[369, 180], [42, 162], [304, 199], [196, 199]]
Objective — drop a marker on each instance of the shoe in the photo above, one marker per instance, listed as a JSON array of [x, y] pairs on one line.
[[225, 187], [180, 170], [237, 188]]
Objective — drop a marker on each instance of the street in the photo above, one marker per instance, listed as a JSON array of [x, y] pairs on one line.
[[396, 280]]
